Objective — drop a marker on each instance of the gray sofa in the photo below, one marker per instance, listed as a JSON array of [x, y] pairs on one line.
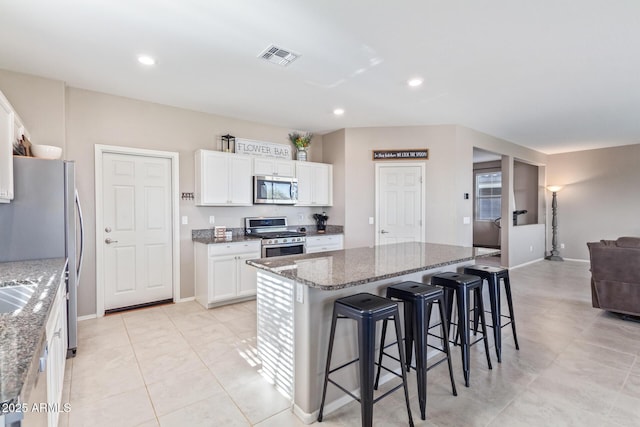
[[615, 275]]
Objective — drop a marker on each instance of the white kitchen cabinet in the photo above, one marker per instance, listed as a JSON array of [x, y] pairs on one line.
[[330, 242], [56, 334], [222, 275], [222, 179], [315, 184], [273, 167]]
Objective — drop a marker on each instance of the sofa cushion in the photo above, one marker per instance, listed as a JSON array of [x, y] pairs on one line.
[[628, 242]]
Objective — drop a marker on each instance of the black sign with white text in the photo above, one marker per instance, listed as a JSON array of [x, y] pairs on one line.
[[421, 154]]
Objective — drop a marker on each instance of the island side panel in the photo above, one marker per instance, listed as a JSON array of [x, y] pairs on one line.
[[312, 320], [275, 329]]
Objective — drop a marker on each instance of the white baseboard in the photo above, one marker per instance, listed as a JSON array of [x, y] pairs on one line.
[[185, 300], [87, 317], [309, 418], [576, 260], [526, 263]]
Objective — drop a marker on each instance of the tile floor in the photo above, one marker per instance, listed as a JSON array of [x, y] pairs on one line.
[[181, 365]]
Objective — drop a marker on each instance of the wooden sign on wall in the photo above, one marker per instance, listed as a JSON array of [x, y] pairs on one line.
[[263, 148], [409, 154]]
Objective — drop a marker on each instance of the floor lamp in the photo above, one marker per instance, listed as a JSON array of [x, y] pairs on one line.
[[555, 255]]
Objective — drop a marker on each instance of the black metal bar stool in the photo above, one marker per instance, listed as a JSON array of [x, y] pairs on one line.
[[418, 299], [493, 275], [366, 310], [462, 285]]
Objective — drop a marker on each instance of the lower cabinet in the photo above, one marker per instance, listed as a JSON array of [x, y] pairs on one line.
[[222, 274], [44, 401], [57, 355], [331, 242]]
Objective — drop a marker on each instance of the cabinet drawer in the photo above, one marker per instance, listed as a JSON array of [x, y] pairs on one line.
[[331, 240], [232, 248]]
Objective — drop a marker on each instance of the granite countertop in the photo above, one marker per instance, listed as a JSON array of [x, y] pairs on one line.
[[22, 332], [351, 267], [206, 237]]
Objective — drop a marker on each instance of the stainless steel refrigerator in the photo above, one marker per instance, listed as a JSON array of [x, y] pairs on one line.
[[44, 220]]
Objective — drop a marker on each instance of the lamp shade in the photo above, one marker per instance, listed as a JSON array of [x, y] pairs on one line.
[[554, 188]]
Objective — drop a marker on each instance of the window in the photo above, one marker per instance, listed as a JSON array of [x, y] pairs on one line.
[[488, 196]]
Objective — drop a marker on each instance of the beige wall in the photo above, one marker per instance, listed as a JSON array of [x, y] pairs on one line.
[[449, 174], [39, 103], [78, 120], [599, 199]]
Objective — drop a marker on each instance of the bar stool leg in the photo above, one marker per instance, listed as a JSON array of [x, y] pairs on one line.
[[409, 329], [496, 319], [402, 365], [420, 320], [445, 343], [328, 367], [483, 322], [507, 288], [463, 327], [366, 341], [382, 340], [448, 306]]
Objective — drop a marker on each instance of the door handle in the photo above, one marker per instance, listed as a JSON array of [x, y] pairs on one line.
[[383, 232], [108, 241]]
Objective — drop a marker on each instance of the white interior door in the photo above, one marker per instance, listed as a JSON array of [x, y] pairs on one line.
[[400, 204], [137, 236]]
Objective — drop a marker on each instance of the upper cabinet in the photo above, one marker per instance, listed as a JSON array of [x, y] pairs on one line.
[[273, 167], [11, 129], [222, 179], [315, 184]]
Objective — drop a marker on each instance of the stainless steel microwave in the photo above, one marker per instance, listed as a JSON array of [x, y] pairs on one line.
[[275, 190]]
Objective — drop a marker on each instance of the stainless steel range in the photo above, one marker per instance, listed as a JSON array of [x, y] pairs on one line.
[[277, 239]]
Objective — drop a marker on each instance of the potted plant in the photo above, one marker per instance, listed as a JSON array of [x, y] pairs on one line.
[[301, 141]]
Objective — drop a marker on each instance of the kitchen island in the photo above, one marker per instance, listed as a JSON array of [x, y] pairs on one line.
[[295, 296]]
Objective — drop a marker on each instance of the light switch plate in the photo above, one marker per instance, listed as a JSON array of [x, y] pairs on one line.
[[370, 220], [299, 293], [185, 220], [466, 220], [212, 220]]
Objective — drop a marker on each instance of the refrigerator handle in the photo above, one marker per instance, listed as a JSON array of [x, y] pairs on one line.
[[79, 207]]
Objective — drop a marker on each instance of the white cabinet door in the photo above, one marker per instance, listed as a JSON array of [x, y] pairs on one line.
[[304, 173], [56, 334], [240, 181], [247, 275], [213, 179], [284, 168], [6, 150], [222, 179], [315, 182], [222, 277], [272, 167], [323, 182]]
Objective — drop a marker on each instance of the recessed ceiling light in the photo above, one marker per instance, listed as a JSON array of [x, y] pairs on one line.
[[415, 82], [338, 111], [146, 60]]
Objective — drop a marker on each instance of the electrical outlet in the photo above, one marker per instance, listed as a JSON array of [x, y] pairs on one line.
[[185, 220], [212, 219], [531, 248], [561, 245], [300, 217], [370, 220], [299, 293]]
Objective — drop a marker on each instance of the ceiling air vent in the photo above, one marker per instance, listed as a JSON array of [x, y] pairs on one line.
[[277, 55]]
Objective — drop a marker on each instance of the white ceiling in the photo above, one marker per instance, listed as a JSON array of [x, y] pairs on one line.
[[553, 75]]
